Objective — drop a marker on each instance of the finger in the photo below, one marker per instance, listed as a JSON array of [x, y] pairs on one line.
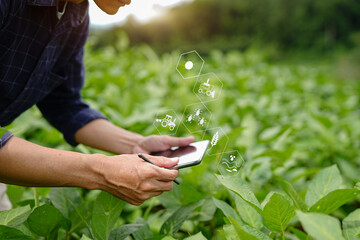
[[167, 175], [178, 142], [163, 162], [156, 186]]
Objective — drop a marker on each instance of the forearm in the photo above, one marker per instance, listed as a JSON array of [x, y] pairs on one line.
[[102, 134], [27, 164]]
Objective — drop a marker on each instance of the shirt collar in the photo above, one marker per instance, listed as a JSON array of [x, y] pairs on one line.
[[78, 11]]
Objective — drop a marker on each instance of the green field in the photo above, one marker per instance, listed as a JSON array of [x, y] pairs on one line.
[[296, 125]]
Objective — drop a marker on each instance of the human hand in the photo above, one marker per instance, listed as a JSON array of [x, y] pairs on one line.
[[157, 143], [130, 178]]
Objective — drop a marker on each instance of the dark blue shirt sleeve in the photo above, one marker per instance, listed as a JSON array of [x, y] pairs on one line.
[[64, 107], [4, 9], [4, 137]]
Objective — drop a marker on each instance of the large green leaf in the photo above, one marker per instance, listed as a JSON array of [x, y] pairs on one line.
[[81, 216], [291, 192], [64, 199], [327, 180], [351, 225], [12, 234], [14, 216], [198, 236], [144, 231], [278, 211], [124, 231], [84, 237], [247, 213], [245, 232], [107, 210], [320, 226], [334, 200], [44, 219], [227, 210], [174, 222], [241, 188]]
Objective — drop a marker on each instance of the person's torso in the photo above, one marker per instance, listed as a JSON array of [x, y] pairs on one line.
[[34, 50]]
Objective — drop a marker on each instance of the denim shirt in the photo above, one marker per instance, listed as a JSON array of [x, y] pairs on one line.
[[41, 62]]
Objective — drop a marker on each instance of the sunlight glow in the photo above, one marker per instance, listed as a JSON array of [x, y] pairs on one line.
[[143, 10]]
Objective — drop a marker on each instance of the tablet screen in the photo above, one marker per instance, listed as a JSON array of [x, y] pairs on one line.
[[189, 154]]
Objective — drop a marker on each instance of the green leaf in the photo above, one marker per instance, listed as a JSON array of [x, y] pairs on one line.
[[64, 199], [14, 217], [144, 231], [327, 180], [198, 236], [241, 188], [334, 200], [227, 210], [291, 192], [84, 237], [248, 233], [207, 211], [12, 234], [124, 231], [320, 226], [106, 212], [247, 213], [300, 234], [44, 219], [81, 216], [230, 232], [174, 222], [278, 212], [351, 225]]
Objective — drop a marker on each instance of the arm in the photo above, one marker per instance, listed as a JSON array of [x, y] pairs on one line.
[[102, 134], [126, 177]]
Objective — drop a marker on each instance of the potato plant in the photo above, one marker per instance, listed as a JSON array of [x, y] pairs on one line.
[[296, 125]]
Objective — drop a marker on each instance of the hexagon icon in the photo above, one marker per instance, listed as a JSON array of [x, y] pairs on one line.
[[196, 117], [218, 141], [167, 122], [208, 87], [231, 163], [190, 64]]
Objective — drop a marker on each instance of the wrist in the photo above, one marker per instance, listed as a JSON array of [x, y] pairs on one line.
[[93, 169]]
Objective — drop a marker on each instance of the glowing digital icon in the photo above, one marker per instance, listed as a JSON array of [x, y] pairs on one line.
[[207, 89], [215, 139], [196, 117], [167, 122], [231, 163], [190, 65], [218, 141]]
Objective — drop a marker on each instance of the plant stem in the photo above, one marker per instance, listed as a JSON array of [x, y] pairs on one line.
[[36, 196], [283, 235], [147, 211]]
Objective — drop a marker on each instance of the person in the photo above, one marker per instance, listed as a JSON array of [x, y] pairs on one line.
[[41, 63]]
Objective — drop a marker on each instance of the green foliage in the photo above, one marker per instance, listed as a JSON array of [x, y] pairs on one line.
[[107, 210], [296, 126], [15, 216], [278, 211], [320, 226], [44, 219], [230, 24]]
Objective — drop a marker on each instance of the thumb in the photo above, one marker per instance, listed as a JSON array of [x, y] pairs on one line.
[[163, 161], [178, 142]]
